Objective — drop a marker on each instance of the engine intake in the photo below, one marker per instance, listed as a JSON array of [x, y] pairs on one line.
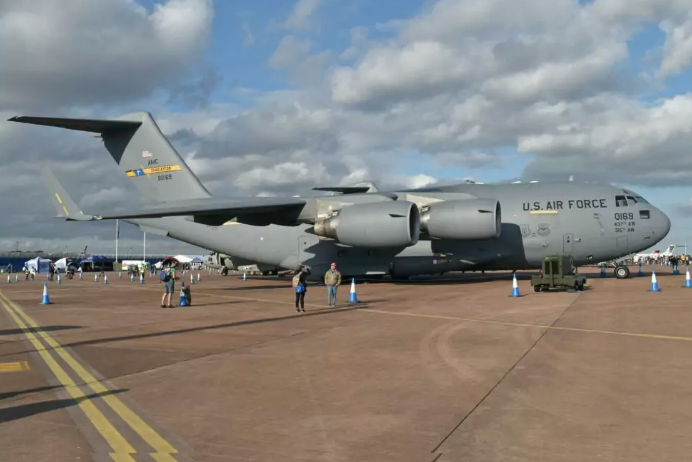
[[381, 224], [466, 220]]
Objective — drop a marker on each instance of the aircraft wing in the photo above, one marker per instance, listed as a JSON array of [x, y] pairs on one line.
[[213, 212]]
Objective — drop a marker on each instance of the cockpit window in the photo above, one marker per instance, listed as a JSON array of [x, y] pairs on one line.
[[631, 200], [642, 200], [620, 201]]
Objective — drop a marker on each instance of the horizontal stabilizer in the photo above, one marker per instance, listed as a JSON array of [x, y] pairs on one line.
[[63, 203], [82, 125]]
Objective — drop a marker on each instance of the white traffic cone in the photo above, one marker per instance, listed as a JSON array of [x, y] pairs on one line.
[[9, 281], [654, 282], [352, 296], [45, 300], [688, 282], [515, 287], [105, 279]]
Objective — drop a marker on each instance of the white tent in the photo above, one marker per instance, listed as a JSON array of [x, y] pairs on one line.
[[183, 258], [41, 265], [61, 264]]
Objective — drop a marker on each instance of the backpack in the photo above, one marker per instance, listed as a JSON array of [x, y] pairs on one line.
[[165, 276], [300, 288]]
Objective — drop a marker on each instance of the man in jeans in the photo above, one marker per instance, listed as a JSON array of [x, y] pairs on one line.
[[332, 279]]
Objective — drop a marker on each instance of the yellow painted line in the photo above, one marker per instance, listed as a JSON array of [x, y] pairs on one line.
[[540, 326], [543, 212], [162, 447], [14, 367], [121, 448]]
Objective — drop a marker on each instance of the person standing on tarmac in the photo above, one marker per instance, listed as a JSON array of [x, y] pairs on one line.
[[332, 279], [300, 286], [168, 277]]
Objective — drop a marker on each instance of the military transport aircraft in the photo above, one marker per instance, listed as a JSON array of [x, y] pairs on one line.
[[366, 231]]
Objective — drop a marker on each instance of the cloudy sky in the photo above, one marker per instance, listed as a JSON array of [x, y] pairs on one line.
[[276, 96]]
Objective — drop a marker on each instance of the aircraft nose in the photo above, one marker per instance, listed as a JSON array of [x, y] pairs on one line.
[[662, 223]]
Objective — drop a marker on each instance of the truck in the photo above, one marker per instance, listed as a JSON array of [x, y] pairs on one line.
[[558, 271]]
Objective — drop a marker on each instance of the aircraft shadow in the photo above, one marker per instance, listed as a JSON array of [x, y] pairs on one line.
[[31, 329], [317, 312], [12, 394], [288, 285], [22, 411], [196, 304]]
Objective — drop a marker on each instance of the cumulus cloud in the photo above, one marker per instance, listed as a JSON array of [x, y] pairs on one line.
[[458, 85]]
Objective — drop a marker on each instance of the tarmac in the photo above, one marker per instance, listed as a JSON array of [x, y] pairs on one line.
[[432, 370]]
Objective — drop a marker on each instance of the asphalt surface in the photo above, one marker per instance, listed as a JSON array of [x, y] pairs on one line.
[[423, 371]]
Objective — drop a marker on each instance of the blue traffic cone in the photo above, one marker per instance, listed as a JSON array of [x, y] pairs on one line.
[[105, 279], [16, 278], [59, 279], [45, 300], [198, 277], [352, 297], [515, 286], [183, 300], [603, 271], [141, 278], [192, 278], [654, 282], [96, 277], [244, 276], [688, 282], [9, 281]]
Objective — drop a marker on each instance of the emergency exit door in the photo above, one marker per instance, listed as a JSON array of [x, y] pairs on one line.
[[567, 241]]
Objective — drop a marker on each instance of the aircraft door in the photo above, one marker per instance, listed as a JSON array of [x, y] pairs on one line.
[[622, 243], [567, 244]]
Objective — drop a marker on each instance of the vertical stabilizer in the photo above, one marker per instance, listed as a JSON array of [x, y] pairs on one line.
[[141, 151]]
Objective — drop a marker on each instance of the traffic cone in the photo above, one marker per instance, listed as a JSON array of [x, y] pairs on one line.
[[120, 274], [515, 286], [198, 277], [603, 271], [59, 279], [192, 279], [654, 282], [244, 276], [182, 301], [688, 282], [105, 279], [96, 277], [141, 278], [352, 297], [45, 300], [16, 278], [9, 281]]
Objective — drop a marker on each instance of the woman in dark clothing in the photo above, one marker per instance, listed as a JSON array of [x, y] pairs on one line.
[[301, 287]]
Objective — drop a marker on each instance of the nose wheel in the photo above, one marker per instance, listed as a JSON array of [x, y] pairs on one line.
[[622, 272]]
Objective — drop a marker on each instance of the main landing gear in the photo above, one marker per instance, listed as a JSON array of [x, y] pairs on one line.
[[622, 272]]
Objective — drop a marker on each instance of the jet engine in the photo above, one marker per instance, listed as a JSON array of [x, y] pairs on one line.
[[467, 220], [381, 224]]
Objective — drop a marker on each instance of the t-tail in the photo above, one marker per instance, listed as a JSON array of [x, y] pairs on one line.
[[140, 149]]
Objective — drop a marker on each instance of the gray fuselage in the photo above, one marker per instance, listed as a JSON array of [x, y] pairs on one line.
[[538, 219]]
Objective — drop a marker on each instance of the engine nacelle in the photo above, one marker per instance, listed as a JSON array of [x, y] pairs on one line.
[[465, 220], [380, 224]]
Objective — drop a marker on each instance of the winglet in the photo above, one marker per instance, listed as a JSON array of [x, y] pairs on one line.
[[63, 203]]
